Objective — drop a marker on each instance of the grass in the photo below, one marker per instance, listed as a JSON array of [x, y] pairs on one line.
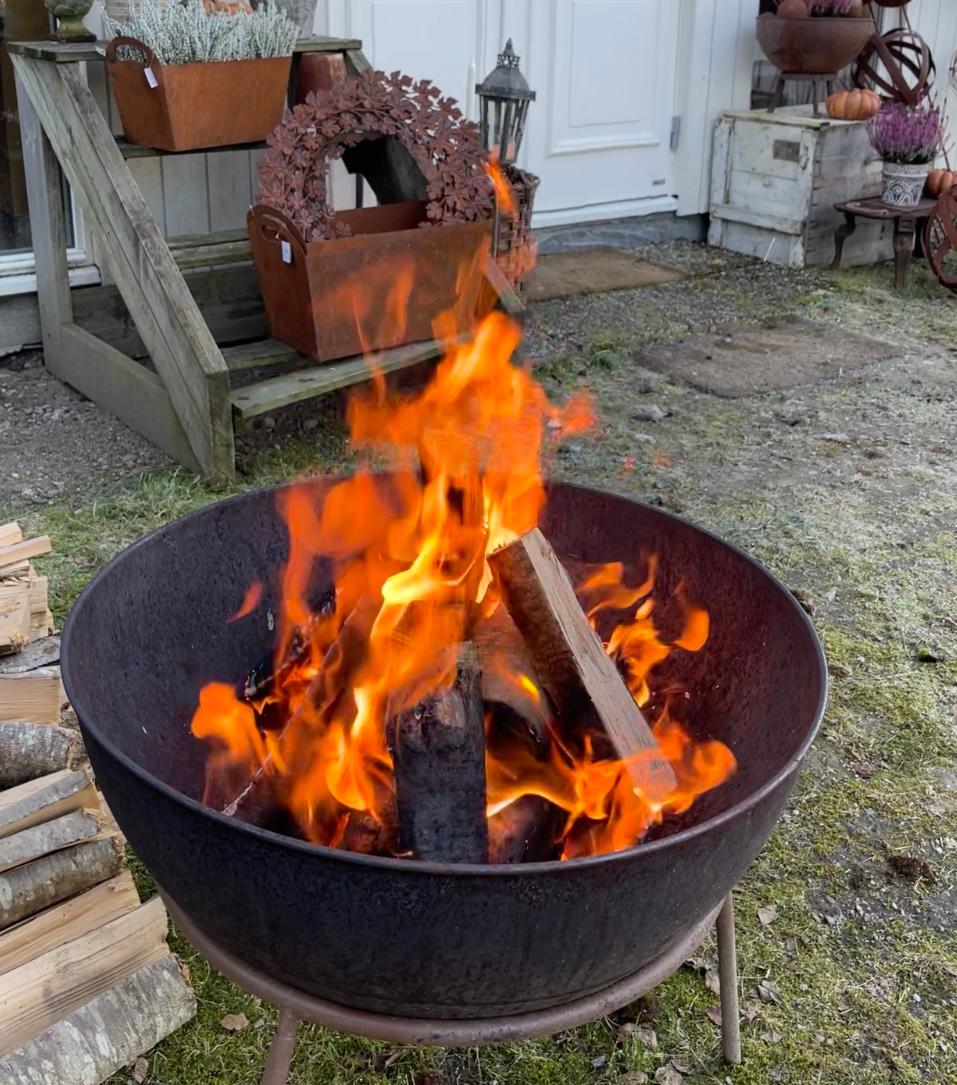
[[859, 966]]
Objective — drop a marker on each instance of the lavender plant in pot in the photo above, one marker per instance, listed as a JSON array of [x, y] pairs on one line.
[[907, 138]]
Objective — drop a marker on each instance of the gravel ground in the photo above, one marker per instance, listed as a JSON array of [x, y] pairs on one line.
[[847, 490]]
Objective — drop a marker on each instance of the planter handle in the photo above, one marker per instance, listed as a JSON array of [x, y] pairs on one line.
[[133, 43], [272, 225]]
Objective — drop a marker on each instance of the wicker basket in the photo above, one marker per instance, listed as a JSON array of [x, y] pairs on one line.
[[516, 249]]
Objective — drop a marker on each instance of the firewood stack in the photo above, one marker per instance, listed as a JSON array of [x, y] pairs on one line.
[[87, 982]]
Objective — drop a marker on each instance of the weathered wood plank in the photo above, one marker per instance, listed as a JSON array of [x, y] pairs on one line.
[[126, 388], [179, 342], [184, 194], [229, 300], [72, 53], [276, 392], [188, 257], [230, 193], [261, 353], [48, 227]]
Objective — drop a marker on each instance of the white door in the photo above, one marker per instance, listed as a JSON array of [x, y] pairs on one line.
[[427, 39], [599, 134]]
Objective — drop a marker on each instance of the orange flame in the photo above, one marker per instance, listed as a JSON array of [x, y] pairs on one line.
[[408, 557]]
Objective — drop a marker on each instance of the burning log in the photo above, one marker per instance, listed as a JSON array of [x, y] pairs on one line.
[[509, 676], [570, 657], [29, 888], [28, 750], [438, 751], [526, 831]]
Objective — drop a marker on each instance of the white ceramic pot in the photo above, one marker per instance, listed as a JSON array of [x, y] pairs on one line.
[[904, 183]]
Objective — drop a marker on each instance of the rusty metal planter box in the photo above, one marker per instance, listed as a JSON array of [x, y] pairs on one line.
[[345, 296], [195, 106]]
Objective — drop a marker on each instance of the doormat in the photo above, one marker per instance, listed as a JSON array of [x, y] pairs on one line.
[[745, 360], [593, 271]]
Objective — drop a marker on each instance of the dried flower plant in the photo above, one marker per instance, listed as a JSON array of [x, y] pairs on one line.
[[293, 175], [192, 32], [838, 8], [906, 134]]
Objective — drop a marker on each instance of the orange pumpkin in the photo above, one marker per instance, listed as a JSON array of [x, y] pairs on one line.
[[941, 181], [853, 105]]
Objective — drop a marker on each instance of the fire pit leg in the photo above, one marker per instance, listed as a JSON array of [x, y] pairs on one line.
[[281, 1049], [728, 975]]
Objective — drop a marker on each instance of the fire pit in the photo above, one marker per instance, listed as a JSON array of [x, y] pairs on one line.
[[393, 771], [413, 938]]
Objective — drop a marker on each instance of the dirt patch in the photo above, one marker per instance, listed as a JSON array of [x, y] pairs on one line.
[[777, 355]]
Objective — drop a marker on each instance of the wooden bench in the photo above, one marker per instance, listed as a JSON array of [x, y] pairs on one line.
[[190, 305]]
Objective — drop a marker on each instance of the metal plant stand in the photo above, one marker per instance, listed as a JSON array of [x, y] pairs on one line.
[[908, 238], [829, 82], [295, 1006]]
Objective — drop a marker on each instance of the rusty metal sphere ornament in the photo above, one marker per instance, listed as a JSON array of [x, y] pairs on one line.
[[899, 65], [940, 240]]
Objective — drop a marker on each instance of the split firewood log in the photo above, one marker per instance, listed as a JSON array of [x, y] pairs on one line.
[[50, 836], [30, 888], [438, 752], [108, 1032], [29, 750], [67, 920], [571, 659], [45, 798], [33, 695], [54, 985]]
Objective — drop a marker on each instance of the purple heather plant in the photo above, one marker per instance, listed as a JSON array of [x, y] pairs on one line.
[[906, 134]]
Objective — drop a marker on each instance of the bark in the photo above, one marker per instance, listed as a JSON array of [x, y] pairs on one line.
[[28, 889], [108, 1033], [51, 836], [438, 751], [29, 750]]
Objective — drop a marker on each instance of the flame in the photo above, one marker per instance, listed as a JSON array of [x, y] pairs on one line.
[[251, 599], [407, 553]]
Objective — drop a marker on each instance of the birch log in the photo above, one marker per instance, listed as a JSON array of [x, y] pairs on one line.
[[57, 984], [44, 799], [68, 920], [29, 750], [51, 836], [28, 889], [107, 1033]]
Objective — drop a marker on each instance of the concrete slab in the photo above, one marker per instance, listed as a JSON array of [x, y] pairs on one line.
[[745, 360]]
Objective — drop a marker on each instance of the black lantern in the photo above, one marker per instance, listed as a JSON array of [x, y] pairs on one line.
[[505, 96]]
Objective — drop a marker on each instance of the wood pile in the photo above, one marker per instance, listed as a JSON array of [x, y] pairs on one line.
[[87, 982]]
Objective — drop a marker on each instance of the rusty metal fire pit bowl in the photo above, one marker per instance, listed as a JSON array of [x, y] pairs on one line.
[[410, 938], [812, 45]]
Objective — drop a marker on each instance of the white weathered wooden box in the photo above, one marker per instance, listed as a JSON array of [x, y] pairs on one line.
[[776, 178]]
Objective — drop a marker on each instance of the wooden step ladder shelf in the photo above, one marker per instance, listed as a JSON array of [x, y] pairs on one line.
[[189, 304]]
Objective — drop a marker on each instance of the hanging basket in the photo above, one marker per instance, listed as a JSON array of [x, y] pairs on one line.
[[188, 107]]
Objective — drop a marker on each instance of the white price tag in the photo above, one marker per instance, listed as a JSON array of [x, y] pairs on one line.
[[286, 250], [150, 78]]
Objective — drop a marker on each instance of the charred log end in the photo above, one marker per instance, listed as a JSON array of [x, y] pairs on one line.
[[438, 751]]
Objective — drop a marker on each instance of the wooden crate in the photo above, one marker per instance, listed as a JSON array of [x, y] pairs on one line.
[[776, 178]]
